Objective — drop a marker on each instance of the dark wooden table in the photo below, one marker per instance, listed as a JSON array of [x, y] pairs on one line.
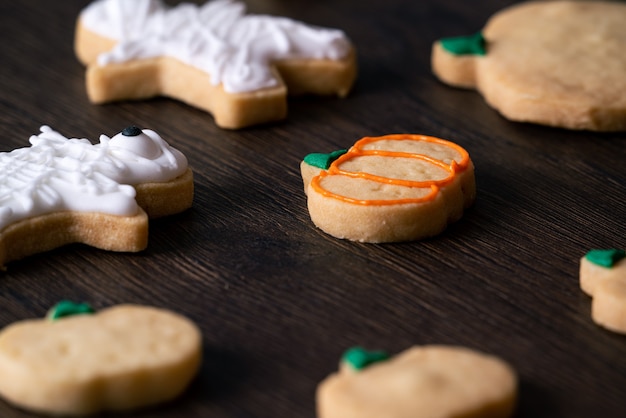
[[278, 301]]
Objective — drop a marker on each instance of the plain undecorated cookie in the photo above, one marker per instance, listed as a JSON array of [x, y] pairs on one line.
[[603, 277], [423, 381], [237, 67], [389, 188], [120, 358], [558, 63]]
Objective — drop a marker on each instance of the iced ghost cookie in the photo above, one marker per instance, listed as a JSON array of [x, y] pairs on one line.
[[603, 277], [389, 188], [236, 66], [557, 63], [423, 381], [78, 362], [64, 190]]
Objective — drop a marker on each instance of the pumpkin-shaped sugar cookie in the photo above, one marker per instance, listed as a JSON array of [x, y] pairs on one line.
[[78, 362], [423, 381], [558, 63], [603, 277], [390, 188]]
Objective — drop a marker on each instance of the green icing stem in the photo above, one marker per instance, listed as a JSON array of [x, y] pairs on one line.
[[605, 258], [323, 161], [359, 358], [68, 308], [465, 45]]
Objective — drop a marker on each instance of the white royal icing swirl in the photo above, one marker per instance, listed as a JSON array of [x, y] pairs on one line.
[[235, 49], [59, 174]]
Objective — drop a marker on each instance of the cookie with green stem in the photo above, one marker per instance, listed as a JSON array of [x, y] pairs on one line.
[[77, 361], [557, 63], [423, 381], [603, 277]]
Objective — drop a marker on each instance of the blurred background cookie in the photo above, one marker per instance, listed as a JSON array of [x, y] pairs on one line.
[[77, 362], [237, 67], [423, 381], [558, 63], [603, 277]]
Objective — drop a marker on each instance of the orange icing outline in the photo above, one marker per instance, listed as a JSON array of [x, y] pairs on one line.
[[357, 151]]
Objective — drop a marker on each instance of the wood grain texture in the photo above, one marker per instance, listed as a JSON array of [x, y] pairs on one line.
[[278, 301]]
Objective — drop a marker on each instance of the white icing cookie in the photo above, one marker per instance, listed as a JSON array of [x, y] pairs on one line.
[[236, 66], [123, 357], [61, 190], [427, 381]]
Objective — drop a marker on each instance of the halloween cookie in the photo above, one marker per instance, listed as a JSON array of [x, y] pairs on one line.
[[235, 66], [558, 63], [78, 362], [63, 190], [389, 188], [423, 381], [603, 277]]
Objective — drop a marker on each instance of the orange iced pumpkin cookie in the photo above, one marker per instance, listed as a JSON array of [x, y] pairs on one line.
[[390, 188]]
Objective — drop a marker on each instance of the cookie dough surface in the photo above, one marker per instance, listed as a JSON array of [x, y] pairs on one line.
[[123, 357], [427, 381], [557, 63]]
